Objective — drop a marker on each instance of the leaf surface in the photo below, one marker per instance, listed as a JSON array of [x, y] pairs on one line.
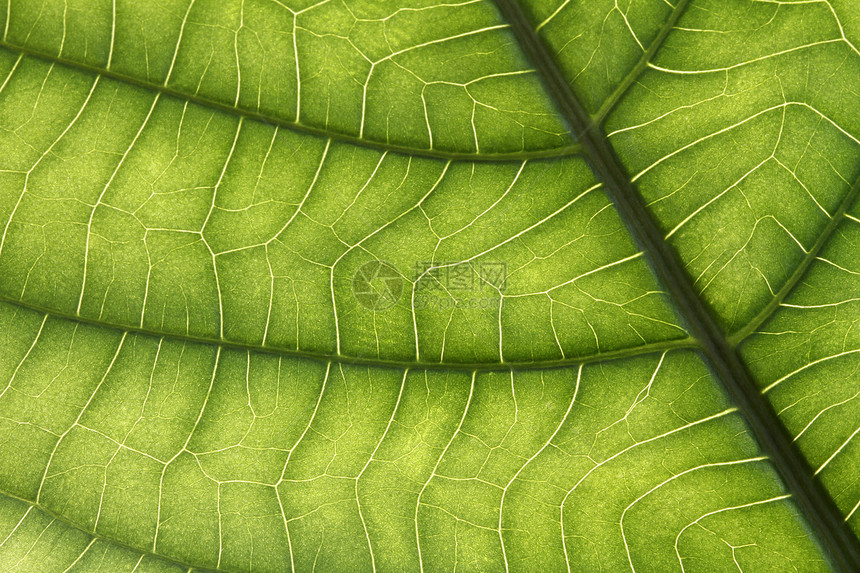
[[348, 286]]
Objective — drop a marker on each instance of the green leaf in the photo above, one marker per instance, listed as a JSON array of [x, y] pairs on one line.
[[296, 285]]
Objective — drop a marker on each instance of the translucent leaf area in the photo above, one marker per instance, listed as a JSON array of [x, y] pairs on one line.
[[342, 285]]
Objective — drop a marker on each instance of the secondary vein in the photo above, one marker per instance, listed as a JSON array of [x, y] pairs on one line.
[[641, 65], [629, 352], [564, 151], [808, 258]]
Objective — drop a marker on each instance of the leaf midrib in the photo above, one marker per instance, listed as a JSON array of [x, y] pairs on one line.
[[814, 501]]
